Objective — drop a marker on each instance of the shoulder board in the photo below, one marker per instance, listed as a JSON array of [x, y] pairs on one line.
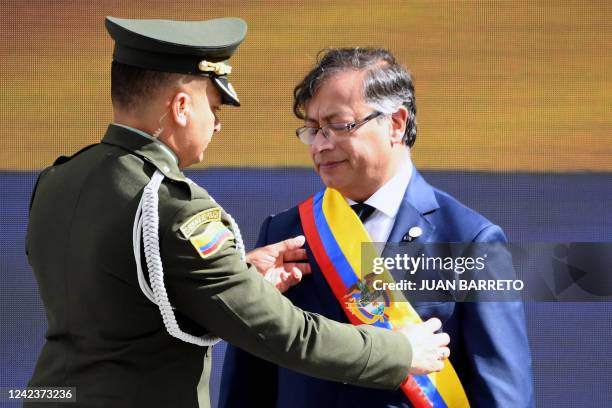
[[63, 159]]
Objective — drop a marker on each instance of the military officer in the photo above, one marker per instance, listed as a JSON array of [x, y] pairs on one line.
[[141, 271]]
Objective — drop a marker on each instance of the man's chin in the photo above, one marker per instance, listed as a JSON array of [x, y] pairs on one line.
[[184, 164], [331, 182]]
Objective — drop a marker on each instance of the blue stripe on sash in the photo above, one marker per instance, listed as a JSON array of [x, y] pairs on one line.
[[348, 276], [430, 391]]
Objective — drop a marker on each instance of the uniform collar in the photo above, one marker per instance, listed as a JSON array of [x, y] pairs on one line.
[[145, 146]]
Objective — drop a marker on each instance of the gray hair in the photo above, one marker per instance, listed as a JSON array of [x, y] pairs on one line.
[[387, 85]]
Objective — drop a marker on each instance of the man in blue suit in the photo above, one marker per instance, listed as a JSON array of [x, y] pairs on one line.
[[359, 117]]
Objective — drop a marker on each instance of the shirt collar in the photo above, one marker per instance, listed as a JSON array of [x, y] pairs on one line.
[[145, 146], [388, 198]]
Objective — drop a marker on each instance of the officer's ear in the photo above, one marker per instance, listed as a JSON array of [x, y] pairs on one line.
[[180, 108], [398, 125]]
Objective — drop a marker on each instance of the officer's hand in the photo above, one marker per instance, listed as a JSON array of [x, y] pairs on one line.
[[428, 348], [282, 264]]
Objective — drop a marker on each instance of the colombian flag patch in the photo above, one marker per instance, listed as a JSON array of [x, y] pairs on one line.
[[211, 240]]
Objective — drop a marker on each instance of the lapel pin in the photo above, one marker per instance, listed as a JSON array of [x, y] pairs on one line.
[[413, 233]]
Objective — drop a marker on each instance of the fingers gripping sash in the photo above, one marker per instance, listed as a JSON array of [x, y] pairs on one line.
[[146, 228]]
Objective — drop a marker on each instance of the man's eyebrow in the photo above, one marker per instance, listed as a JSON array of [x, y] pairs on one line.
[[327, 118]]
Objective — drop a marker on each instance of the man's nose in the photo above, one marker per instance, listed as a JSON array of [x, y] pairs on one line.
[[321, 143], [217, 127]]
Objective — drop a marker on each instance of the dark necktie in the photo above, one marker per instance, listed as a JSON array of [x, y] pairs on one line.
[[363, 210]]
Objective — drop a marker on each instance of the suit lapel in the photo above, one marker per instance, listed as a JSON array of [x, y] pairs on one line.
[[419, 200]]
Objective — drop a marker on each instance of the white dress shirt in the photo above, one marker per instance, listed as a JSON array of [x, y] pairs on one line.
[[387, 200]]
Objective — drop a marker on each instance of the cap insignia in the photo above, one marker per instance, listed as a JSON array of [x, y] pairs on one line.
[[219, 68]]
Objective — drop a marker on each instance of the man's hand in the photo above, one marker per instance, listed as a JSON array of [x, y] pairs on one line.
[[282, 264], [428, 348]]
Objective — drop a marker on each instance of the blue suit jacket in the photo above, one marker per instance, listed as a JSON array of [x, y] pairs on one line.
[[489, 347]]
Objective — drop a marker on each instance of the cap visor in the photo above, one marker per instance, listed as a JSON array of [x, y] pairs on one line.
[[228, 95]]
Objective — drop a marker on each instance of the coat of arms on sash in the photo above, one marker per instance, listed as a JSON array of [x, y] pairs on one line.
[[367, 303]]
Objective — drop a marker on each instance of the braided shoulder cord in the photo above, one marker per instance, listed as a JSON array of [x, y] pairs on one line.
[[146, 228]]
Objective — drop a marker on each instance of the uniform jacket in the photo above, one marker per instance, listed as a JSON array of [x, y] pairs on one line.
[[489, 348], [108, 340]]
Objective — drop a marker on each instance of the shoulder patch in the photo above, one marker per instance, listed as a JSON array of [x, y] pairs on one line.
[[211, 240], [201, 218]]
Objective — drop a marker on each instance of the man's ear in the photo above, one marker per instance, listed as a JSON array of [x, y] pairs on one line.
[[398, 125], [180, 108]]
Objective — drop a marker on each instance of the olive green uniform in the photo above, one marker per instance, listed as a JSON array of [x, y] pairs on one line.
[[108, 340]]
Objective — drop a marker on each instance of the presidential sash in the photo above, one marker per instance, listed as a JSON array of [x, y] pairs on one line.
[[337, 238]]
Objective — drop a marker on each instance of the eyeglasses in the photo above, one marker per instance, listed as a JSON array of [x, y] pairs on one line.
[[307, 134]]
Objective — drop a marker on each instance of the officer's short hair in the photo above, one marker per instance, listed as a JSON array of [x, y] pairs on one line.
[[387, 84], [133, 87]]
